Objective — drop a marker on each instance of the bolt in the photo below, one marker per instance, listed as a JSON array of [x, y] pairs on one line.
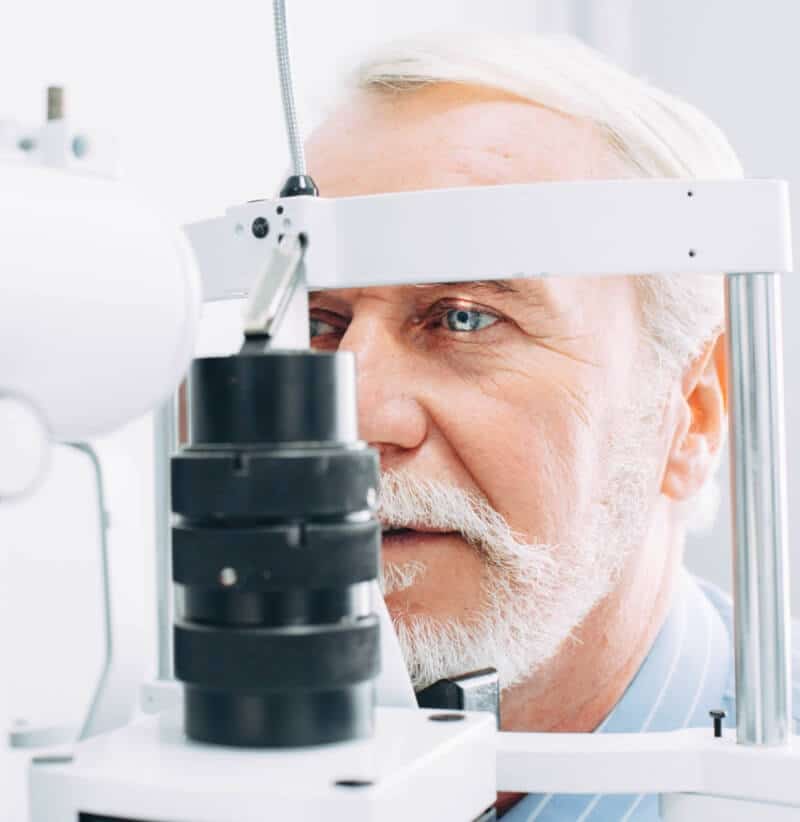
[[260, 228], [717, 716], [228, 577], [26, 144], [55, 103]]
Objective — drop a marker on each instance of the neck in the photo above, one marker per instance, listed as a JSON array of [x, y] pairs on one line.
[[584, 681], [590, 673]]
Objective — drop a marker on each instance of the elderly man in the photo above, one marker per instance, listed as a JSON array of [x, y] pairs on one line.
[[544, 444]]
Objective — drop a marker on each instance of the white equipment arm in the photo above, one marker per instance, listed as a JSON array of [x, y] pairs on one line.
[[506, 232]]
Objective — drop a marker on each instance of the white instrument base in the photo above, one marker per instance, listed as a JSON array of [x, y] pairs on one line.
[[684, 807], [413, 768]]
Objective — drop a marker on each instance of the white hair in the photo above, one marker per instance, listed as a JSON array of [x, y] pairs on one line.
[[651, 132]]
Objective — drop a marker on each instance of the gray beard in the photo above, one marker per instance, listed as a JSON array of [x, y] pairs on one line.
[[534, 595]]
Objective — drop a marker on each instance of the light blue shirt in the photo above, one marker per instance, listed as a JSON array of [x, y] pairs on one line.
[[688, 672]]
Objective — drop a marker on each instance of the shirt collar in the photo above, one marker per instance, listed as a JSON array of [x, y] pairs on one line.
[[684, 675]]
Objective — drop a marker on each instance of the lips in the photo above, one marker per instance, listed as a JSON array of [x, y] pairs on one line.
[[422, 529], [396, 537]]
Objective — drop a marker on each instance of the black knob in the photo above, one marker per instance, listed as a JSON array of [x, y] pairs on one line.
[[299, 185], [260, 228]]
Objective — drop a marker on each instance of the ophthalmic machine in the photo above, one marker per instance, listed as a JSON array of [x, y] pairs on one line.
[[285, 695]]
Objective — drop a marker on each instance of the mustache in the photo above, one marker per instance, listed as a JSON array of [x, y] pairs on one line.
[[406, 501], [409, 501]]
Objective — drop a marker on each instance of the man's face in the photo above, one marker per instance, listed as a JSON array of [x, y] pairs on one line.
[[518, 396]]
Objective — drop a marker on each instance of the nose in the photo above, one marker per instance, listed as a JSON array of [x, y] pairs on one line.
[[391, 417]]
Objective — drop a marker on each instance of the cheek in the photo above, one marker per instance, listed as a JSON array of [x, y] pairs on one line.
[[530, 451]]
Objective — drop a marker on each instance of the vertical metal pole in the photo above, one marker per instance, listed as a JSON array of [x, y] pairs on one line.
[[758, 495], [165, 443]]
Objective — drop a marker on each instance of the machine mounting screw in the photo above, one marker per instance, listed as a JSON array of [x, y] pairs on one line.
[[55, 103], [717, 716], [228, 577], [260, 227]]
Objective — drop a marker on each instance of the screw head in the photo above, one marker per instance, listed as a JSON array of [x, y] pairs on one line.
[[228, 577], [260, 228]]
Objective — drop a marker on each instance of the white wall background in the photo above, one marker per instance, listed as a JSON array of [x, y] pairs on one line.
[[738, 62], [191, 92]]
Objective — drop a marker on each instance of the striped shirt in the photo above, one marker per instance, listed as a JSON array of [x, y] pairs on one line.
[[689, 671]]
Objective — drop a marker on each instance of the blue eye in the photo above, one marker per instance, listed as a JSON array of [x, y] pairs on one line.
[[465, 319], [318, 327]]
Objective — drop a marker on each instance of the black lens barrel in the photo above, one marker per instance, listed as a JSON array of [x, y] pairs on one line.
[[274, 543]]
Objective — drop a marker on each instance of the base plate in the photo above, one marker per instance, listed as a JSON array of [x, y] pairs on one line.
[[421, 765]]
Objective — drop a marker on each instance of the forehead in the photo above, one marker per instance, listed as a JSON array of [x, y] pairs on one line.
[[448, 135]]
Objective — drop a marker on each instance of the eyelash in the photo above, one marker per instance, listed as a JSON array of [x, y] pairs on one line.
[[433, 319]]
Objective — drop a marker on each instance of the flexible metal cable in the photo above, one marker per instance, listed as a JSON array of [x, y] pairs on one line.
[[91, 721], [287, 93]]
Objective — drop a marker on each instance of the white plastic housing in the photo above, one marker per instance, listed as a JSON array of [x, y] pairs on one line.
[[412, 768], [643, 226], [99, 301]]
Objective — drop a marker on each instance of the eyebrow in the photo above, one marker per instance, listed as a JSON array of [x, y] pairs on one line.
[[499, 286], [536, 296]]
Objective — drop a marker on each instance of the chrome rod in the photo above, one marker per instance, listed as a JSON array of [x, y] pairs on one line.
[[758, 494], [165, 443]]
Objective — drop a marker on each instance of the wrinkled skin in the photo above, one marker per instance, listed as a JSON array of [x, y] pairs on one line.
[[520, 407]]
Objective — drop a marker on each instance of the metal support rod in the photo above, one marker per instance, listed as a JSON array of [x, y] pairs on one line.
[[758, 494], [165, 442]]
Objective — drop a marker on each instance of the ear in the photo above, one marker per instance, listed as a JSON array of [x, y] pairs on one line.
[[701, 423]]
